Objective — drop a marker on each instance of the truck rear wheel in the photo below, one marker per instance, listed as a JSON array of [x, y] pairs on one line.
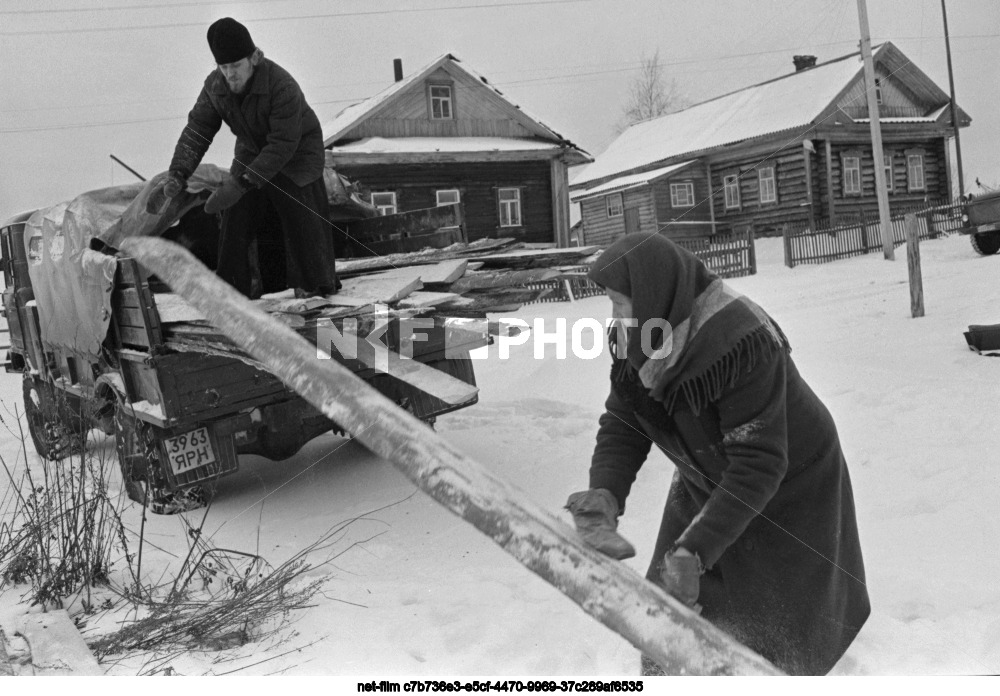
[[50, 423], [985, 243], [142, 473]]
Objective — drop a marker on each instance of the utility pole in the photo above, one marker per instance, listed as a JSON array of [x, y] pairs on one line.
[[877, 156], [954, 106]]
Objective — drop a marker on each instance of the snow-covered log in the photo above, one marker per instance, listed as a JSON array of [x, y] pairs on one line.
[[669, 632]]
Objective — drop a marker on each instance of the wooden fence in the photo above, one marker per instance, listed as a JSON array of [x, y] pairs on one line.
[[863, 235], [727, 255], [572, 284]]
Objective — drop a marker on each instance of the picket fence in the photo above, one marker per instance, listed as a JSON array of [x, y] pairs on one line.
[[728, 255], [863, 235]]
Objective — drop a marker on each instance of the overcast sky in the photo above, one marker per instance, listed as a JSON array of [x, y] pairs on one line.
[[77, 86]]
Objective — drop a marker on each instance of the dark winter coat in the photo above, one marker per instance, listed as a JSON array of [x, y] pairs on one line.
[[276, 130], [761, 491]]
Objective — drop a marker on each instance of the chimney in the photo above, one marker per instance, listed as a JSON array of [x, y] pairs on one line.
[[397, 68], [804, 62]]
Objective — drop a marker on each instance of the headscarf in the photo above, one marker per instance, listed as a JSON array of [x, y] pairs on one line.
[[712, 333]]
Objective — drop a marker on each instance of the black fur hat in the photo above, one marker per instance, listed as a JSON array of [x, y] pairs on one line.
[[229, 40]]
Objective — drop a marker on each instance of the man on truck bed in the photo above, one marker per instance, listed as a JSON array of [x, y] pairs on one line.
[[278, 160]]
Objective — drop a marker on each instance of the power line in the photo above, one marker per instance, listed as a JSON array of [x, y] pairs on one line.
[[102, 124], [151, 6], [360, 13], [538, 81]]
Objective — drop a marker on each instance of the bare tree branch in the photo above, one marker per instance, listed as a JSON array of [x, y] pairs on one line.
[[650, 94]]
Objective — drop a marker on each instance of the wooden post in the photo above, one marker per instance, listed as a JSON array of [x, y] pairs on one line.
[[560, 201], [787, 241], [711, 197], [954, 109], [877, 154], [807, 163], [913, 265], [831, 206], [673, 635]]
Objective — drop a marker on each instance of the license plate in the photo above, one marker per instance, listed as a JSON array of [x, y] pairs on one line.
[[190, 450]]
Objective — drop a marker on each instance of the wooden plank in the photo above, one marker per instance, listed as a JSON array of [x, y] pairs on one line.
[[381, 289], [133, 336], [57, 648], [501, 279], [671, 633], [425, 378], [437, 240], [499, 300], [427, 299], [173, 308], [347, 267], [536, 258], [444, 272]]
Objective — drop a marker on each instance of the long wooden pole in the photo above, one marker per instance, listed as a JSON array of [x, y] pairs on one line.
[[673, 635], [877, 155], [954, 106]]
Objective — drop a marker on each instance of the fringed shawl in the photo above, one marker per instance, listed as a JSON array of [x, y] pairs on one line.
[[711, 333]]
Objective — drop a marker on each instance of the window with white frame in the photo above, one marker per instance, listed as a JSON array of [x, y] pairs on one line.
[[915, 172], [509, 201], [768, 187], [614, 204], [731, 189], [448, 196], [852, 175], [887, 164], [878, 91], [441, 106], [385, 201], [682, 195]]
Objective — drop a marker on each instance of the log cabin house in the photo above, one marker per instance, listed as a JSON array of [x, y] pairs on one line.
[[792, 151], [446, 135]]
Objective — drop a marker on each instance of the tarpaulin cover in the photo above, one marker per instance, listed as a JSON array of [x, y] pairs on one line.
[[72, 283]]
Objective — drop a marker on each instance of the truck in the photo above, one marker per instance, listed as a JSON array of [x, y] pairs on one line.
[[102, 343], [981, 221]]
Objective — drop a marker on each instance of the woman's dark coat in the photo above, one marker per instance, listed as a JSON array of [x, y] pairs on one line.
[[762, 494]]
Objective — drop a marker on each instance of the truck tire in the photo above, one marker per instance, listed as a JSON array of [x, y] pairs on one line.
[[55, 433], [986, 243], [142, 473]]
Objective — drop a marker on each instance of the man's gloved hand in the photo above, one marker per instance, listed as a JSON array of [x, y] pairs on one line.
[[228, 194], [681, 575], [595, 513], [172, 184]]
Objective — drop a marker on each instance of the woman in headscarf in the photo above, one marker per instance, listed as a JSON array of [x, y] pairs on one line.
[[759, 527]]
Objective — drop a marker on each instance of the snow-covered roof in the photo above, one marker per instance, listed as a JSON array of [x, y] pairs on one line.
[[932, 117], [444, 144], [628, 181], [791, 103], [354, 114]]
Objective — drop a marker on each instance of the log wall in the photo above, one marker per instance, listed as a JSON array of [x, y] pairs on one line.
[[415, 186]]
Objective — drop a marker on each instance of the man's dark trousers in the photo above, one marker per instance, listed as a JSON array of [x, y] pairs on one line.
[[308, 239]]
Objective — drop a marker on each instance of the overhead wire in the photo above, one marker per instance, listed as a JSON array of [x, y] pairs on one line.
[[324, 15]]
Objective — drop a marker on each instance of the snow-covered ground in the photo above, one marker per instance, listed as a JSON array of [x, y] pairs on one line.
[[426, 594]]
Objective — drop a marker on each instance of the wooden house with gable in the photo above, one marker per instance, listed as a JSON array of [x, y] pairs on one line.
[[445, 135], [792, 151]]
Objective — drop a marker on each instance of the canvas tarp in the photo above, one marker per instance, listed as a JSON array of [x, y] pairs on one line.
[[72, 282]]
